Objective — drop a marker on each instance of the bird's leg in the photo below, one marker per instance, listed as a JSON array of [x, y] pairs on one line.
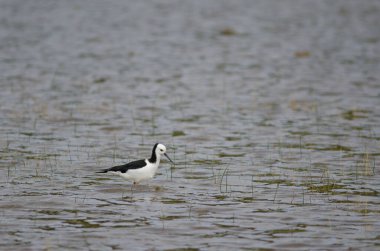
[[133, 185]]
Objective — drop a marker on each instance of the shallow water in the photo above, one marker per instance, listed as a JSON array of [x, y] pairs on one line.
[[270, 110]]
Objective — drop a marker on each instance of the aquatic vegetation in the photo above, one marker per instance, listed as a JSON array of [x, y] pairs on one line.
[[355, 114], [170, 217], [82, 223], [230, 155], [228, 31], [326, 188], [178, 133], [245, 199], [284, 182], [220, 197], [173, 201], [286, 231]]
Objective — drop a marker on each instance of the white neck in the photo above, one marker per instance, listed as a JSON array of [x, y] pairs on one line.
[[158, 156]]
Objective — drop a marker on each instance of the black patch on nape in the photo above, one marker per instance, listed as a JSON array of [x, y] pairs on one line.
[[153, 158]]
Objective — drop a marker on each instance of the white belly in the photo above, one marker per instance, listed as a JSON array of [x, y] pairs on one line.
[[140, 174]]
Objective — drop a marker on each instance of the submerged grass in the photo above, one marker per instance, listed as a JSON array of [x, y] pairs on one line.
[[367, 165], [173, 201], [245, 199], [276, 181], [82, 223], [286, 231], [220, 197], [49, 212], [365, 211], [327, 188], [355, 114], [335, 147], [183, 249], [171, 217], [178, 133], [270, 174], [224, 155]]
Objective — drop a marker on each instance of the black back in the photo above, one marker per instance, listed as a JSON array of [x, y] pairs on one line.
[[124, 168], [153, 158]]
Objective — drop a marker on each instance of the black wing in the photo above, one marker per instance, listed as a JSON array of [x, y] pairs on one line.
[[124, 168]]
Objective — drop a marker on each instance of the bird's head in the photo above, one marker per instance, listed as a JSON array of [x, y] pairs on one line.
[[161, 150]]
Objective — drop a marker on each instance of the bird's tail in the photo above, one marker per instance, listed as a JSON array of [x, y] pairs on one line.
[[103, 171]]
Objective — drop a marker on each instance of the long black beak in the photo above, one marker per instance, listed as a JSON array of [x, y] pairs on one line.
[[168, 158]]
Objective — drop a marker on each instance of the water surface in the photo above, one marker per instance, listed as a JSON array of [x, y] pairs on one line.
[[270, 110]]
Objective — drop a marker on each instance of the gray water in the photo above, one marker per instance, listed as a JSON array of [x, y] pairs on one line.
[[270, 110]]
